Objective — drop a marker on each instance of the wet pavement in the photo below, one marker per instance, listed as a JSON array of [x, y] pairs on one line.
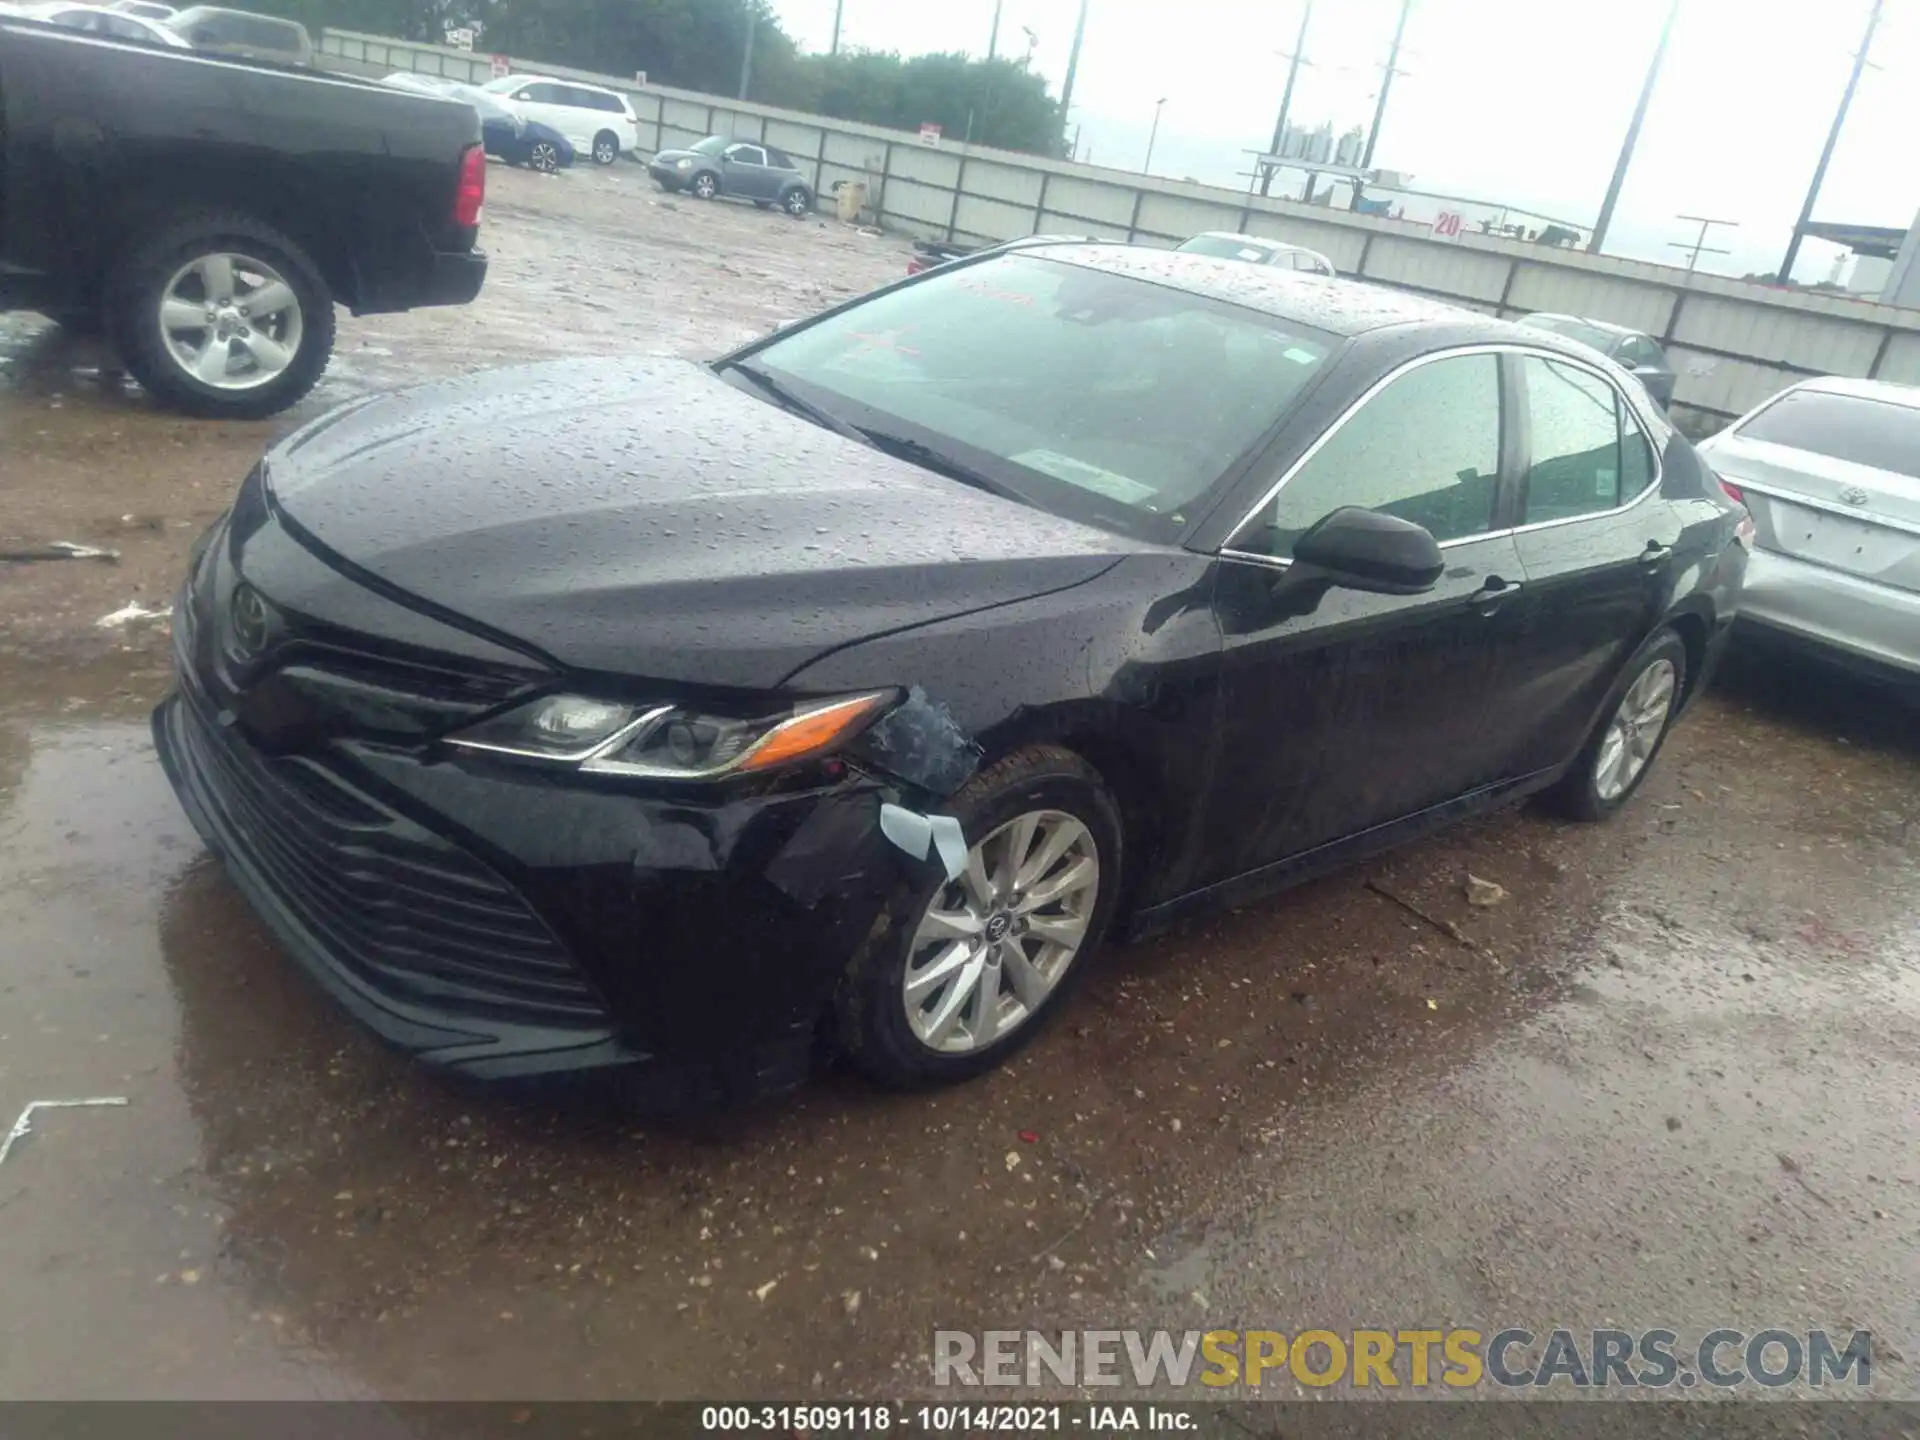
[[1672, 1081]]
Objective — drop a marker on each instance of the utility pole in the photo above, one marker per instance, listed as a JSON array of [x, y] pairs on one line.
[[1826, 151], [1599, 237], [1073, 64], [1699, 246], [1153, 134], [833, 47], [746, 55], [993, 35], [1386, 84], [1286, 95]]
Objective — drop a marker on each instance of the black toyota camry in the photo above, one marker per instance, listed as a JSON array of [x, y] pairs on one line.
[[673, 717]]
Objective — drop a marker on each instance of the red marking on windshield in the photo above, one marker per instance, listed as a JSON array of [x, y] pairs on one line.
[[980, 287]]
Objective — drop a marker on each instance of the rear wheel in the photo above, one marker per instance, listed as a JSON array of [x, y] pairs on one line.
[[1634, 724], [797, 201], [606, 148], [958, 974], [544, 157], [222, 316]]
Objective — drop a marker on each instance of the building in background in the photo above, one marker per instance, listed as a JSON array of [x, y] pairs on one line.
[[1885, 260]]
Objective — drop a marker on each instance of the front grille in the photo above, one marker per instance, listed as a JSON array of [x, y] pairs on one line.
[[407, 912]]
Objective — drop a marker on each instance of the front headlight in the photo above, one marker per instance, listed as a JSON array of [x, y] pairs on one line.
[[666, 742], [683, 164]]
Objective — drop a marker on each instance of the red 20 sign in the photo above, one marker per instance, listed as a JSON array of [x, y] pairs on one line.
[[1447, 224]]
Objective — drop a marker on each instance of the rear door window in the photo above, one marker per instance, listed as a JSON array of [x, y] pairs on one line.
[[1844, 427], [1589, 454]]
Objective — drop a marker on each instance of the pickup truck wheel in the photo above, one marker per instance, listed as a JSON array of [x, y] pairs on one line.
[[606, 148], [221, 316]]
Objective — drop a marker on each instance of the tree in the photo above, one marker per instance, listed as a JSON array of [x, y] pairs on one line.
[[698, 45]]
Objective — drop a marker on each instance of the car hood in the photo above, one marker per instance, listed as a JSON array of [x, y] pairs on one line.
[[647, 518], [672, 155]]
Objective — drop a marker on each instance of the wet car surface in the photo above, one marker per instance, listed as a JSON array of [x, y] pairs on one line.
[[1320, 1106]]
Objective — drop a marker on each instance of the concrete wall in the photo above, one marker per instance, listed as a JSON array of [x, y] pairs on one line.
[[1732, 343]]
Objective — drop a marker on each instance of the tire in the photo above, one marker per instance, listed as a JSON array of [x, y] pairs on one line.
[[797, 202], [606, 148], [705, 185], [160, 261], [871, 1005], [544, 156], [1592, 789]]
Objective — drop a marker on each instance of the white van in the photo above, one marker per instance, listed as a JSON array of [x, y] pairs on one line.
[[597, 121]]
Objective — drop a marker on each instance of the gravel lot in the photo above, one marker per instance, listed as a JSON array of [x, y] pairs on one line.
[[1672, 1082]]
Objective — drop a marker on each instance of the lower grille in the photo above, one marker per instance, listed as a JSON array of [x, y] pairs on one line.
[[407, 912]]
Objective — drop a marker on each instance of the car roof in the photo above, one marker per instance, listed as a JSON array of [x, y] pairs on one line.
[[1240, 239], [1340, 307], [1884, 391], [1603, 325], [557, 80]]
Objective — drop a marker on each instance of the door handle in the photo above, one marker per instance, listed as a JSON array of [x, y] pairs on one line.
[[1492, 594], [1655, 555]]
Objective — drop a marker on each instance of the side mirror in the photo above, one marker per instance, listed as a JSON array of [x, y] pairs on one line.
[[1360, 549]]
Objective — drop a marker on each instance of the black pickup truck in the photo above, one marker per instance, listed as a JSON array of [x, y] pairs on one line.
[[207, 214]]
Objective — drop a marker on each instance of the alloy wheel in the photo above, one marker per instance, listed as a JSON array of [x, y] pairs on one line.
[[1635, 730], [994, 944], [797, 202], [704, 186], [544, 157], [605, 151], [230, 321]]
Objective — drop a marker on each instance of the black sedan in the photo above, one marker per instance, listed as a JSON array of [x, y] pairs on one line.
[[745, 169], [1632, 350], [860, 683]]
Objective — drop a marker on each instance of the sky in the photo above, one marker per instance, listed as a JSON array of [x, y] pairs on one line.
[[1521, 102]]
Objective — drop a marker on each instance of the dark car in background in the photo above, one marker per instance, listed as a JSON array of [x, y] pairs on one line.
[[1632, 350], [506, 135], [744, 169], [1059, 590]]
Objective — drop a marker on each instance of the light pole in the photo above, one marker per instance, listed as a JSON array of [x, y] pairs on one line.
[[833, 48], [1286, 96], [1153, 134], [1698, 246], [1826, 151], [1599, 237], [993, 35], [1073, 64]]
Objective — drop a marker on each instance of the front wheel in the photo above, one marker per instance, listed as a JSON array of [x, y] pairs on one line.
[[1634, 723], [705, 185], [958, 974], [606, 148], [221, 316]]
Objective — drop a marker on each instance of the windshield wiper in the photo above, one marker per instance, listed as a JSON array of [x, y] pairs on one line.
[[938, 461], [787, 400]]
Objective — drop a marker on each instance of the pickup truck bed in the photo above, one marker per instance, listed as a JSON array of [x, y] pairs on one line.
[[139, 186]]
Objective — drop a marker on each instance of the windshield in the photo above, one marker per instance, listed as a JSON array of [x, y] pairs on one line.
[[1227, 247], [1100, 397], [1574, 330], [712, 145], [1843, 427], [504, 85]]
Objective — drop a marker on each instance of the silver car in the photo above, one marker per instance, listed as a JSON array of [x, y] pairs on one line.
[[1223, 245], [1830, 471]]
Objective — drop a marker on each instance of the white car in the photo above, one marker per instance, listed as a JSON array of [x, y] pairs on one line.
[[99, 20], [596, 121], [1830, 471], [1253, 249]]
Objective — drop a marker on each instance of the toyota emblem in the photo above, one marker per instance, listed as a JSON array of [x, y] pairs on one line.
[[248, 618]]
